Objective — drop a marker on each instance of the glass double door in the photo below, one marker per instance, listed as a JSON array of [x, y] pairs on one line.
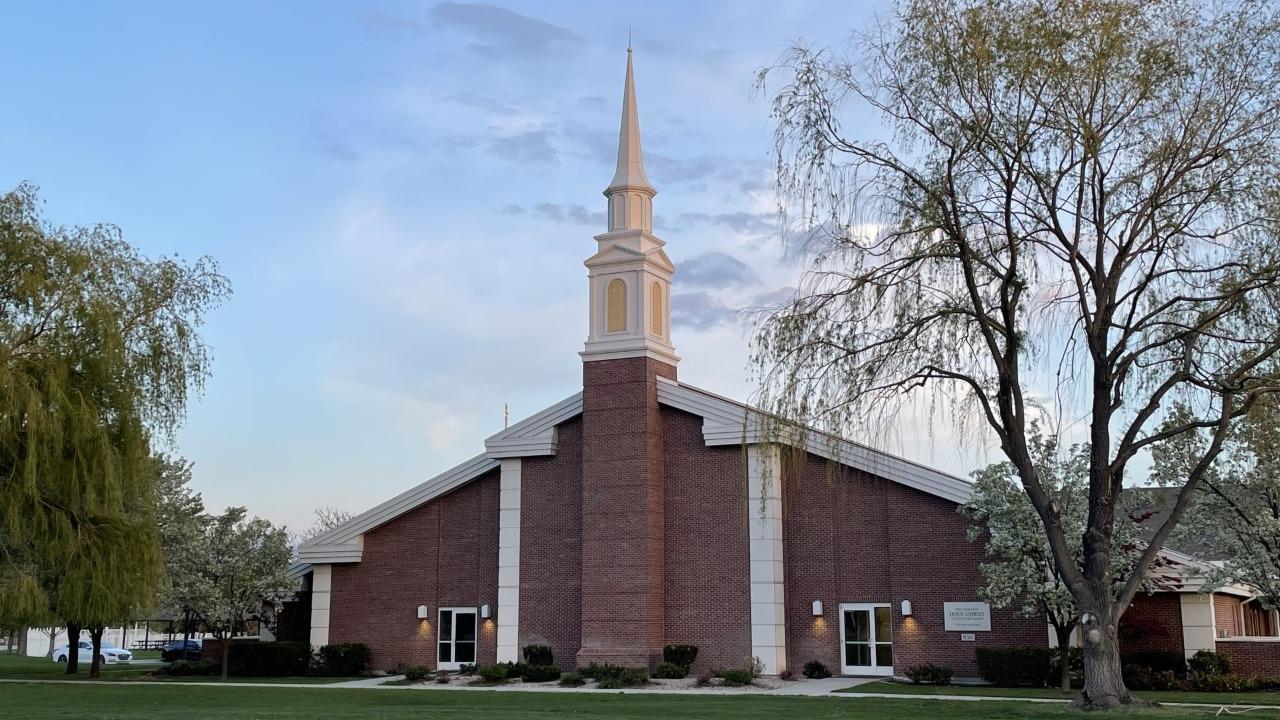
[[866, 639], [457, 643]]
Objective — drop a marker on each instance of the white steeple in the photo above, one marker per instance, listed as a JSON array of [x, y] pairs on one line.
[[630, 275]]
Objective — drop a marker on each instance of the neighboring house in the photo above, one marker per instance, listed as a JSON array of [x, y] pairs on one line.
[[644, 511]]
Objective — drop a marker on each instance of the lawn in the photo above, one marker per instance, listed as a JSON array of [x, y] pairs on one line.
[[36, 701], [1249, 698], [17, 667]]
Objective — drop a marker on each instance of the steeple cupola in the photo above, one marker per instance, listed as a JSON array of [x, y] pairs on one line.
[[630, 275]]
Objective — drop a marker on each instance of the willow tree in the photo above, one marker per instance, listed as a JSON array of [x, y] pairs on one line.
[[98, 351], [1076, 200]]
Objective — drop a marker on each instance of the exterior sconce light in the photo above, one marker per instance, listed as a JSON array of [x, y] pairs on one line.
[[423, 612], [817, 608], [906, 608], [484, 612]]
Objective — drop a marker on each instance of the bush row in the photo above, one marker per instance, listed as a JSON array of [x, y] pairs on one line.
[[279, 659]]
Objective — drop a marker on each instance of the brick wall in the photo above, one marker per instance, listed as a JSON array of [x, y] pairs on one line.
[[1153, 623], [1252, 657], [622, 512], [854, 537], [551, 547], [708, 593], [1226, 615], [442, 554]]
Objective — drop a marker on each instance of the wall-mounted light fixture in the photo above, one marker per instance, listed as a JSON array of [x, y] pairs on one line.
[[817, 608], [423, 612], [906, 608], [484, 612]]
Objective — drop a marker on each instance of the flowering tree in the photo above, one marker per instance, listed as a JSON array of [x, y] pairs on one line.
[[1020, 570]]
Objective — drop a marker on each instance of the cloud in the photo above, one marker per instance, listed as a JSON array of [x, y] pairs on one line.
[[715, 270], [383, 21], [743, 223], [499, 30], [700, 311], [511, 210], [774, 298], [571, 213], [527, 147]]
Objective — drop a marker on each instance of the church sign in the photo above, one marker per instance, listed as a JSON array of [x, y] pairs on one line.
[[967, 616]]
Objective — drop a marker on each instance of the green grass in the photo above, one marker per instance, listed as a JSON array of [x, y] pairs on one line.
[[1249, 698], [16, 667], [36, 701]]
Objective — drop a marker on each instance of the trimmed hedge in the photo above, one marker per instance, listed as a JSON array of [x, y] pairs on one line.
[[540, 673], [929, 674], [538, 655], [670, 671], [815, 670], [682, 655], [1012, 667], [737, 677], [269, 659], [345, 659], [1158, 661]]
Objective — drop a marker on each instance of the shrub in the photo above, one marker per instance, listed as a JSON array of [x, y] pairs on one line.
[[540, 673], [492, 673], [1159, 661], [602, 671], [1011, 667], [416, 673], [634, 676], [670, 671], [467, 669], [682, 655], [1140, 677], [538, 655], [515, 670], [345, 659], [1223, 683], [572, 680], [610, 683], [929, 674], [704, 679], [753, 665], [815, 670], [737, 677], [185, 668], [1207, 663], [442, 679], [269, 659], [786, 675]]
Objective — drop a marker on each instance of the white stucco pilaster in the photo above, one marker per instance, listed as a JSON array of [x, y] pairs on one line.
[[321, 589], [1199, 630], [509, 562], [764, 520]]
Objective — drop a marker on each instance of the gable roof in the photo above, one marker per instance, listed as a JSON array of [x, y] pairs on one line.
[[725, 422]]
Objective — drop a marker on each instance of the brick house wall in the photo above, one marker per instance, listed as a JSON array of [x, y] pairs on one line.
[[1226, 615], [441, 554], [551, 547], [1252, 657], [854, 537], [1153, 623], [708, 595]]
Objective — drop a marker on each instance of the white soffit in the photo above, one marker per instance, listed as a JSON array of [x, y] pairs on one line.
[[343, 543], [728, 422], [536, 434]]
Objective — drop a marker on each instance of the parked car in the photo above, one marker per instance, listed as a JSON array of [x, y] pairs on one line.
[[109, 655], [173, 651]]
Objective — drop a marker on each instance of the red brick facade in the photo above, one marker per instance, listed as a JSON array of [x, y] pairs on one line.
[[1252, 657], [551, 547], [623, 509], [442, 554], [1153, 623], [850, 537]]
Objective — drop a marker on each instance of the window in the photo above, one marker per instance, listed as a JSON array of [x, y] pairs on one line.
[[655, 309], [616, 306]]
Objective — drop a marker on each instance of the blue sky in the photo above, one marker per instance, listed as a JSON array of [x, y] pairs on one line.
[[402, 195]]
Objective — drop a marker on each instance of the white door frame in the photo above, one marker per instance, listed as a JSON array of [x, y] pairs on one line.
[[454, 663], [873, 668]]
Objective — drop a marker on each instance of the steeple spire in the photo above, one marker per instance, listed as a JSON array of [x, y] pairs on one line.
[[630, 194]]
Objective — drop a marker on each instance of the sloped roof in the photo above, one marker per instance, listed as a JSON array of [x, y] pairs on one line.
[[725, 422]]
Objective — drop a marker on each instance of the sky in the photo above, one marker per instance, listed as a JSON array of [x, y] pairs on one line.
[[402, 195]]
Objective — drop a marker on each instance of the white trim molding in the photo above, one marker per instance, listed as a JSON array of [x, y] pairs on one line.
[[536, 434], [764, 519], [321, 594], [509, 563]]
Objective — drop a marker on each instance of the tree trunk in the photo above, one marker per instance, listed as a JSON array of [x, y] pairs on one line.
[[226, 655], [1064, 656], [186, 631], [22, 641], [95, 665], [1103, 684], [73, 648]]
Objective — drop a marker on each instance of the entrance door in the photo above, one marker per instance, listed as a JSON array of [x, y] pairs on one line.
[[866, 639], [457, 643]]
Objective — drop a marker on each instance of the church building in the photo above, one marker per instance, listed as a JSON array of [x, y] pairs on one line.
[[644, 511]]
